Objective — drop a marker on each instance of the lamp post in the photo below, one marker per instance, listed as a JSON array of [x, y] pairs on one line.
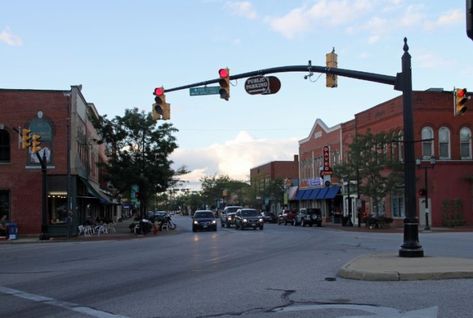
[[349, 222], [426, 165]]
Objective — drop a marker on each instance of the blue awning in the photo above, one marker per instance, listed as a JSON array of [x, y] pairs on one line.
[[332, 192], [299, 194], [314, 193], [306, 195], [321, 194]]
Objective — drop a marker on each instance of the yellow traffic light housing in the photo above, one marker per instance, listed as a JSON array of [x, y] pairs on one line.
[[35, 143], [161, 109], [25, 138], [459, 99], [224, 82], [331, 62]]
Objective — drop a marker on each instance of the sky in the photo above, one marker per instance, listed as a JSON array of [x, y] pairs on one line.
[[119, 51]]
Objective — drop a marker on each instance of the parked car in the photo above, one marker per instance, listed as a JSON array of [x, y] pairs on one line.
[[308, 216], [269, 217], [248, 218], [286, 217], [204, 220], [227, 217]]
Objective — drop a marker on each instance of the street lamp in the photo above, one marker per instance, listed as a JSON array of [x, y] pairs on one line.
[[427, 164], [349, 221]]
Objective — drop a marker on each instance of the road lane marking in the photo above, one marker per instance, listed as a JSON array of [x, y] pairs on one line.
[[59, 303]]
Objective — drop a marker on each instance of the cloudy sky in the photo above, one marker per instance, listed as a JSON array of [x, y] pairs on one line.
[[120, 50]]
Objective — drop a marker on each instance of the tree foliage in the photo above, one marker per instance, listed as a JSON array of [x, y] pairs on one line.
[[375, 161], [138, 153]]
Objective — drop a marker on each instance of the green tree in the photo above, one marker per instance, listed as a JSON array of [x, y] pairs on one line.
[[215, 188], [138, 154], [374, 160]]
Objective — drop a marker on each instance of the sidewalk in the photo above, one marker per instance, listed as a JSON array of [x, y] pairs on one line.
[[390, 267], [122, 233]]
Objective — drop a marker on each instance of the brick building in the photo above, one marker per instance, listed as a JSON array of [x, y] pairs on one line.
[[438, 135], [261, 176], [68, 141]]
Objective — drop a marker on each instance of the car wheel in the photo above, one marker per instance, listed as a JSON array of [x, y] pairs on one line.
[[194, 229], [261, 228]]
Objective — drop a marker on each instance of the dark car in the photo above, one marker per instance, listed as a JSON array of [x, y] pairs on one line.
[[308, 216], [286, 217], [248, 218], [269, 217], [204, 220], [227, 217]]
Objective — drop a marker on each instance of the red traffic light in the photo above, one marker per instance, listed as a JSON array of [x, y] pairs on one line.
[[158, 91], [223, 72]]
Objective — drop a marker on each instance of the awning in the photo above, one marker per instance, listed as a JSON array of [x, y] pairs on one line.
[[306, 195], [94, 189], [292, 193], [321, 194], [314, 193], [299, 194], [332, 192]]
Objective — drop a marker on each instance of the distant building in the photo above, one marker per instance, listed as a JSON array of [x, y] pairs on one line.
[[261, 177], [69, 144]]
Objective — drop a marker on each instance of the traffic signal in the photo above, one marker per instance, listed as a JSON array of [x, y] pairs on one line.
[[224, 82], [35, 143], [460, 98], [25, 138], [161, 109], [331, 62]]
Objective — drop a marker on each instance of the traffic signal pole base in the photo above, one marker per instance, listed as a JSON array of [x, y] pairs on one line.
[[411, 246]]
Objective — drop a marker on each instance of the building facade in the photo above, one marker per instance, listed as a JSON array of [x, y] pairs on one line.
[[72, 191], [443, 149], [262, 176]]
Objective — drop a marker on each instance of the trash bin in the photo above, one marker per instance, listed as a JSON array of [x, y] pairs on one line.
[[12, 230]]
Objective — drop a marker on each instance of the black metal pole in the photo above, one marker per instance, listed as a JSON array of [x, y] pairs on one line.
[[44, 197], [411, 246]]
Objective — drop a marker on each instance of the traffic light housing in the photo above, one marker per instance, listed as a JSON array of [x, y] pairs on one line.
[[25, 138], [331, 62], [460, 98], [35, 143], [224, 82], [161, 109]]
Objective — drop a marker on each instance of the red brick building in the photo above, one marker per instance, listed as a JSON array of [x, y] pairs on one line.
[[438, 135], [261, 176], [68, 141]]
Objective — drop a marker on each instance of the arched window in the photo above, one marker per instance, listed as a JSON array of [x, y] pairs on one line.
[[465, 143], [444, 143], [427, 142], [4, 146]]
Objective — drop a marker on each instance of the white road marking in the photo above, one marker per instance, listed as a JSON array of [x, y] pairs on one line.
[[58, 303]]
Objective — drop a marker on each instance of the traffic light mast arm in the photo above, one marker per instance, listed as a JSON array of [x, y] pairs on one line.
[[372, 77]]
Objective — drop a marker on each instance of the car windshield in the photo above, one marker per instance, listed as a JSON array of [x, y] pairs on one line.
[[232, 209], [249, 213], [203, 215]]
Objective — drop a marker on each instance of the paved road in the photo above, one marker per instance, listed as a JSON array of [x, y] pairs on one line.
[[281, 271]]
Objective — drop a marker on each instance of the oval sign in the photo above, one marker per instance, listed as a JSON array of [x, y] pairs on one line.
[[274, 85], [257, 85]]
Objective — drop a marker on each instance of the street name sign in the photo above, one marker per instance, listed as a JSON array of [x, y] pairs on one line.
[[206, 90]]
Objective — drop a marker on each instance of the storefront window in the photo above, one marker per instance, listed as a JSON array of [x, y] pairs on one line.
[[5, 203]]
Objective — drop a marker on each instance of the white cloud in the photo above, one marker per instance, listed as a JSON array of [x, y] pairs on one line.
[[242, 8], [9, 38], [235, 157], [322, 12], [445, 19]]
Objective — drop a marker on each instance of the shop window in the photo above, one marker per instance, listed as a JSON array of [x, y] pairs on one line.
[[5, 203], [397, 205], [427, 142], [444, 143], [4, 146], [465, 143]]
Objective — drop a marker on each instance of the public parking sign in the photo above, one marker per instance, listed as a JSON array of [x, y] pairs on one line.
[[262, 85]]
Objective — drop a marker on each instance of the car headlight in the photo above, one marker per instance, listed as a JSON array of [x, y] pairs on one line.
[[245, 220], [261, 220], [195, 222], [213, 221], [229, 218]]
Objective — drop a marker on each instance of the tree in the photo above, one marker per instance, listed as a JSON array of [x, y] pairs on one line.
[[138, 153], [375, 161], [215, 188]]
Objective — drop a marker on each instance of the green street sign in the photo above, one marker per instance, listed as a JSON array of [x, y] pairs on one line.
[[206, 90]]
